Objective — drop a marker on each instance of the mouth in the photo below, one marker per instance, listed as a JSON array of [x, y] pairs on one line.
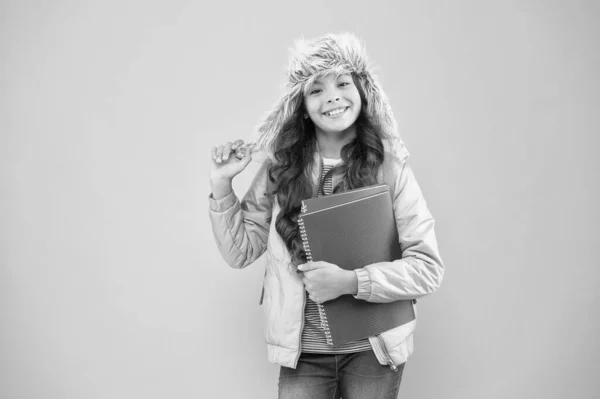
[[335, 112]]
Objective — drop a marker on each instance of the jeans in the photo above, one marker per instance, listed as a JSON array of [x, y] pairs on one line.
[[349, 376]]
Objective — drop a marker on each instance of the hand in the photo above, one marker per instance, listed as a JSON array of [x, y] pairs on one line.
[[325, 281], [226, 165]]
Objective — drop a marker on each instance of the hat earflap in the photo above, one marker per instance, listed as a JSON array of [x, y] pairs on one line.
[[276, 118], [378, 108], [377, 105]]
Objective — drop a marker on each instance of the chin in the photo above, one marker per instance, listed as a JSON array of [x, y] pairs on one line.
[[336, 127], [339, 129]]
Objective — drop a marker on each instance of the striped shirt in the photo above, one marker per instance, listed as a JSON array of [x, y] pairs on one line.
[[313, 336]]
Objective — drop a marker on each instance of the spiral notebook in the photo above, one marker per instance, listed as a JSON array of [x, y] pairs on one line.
[[354, 229]]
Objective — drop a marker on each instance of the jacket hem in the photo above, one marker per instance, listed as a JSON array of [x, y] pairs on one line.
[[399, 354], [282, 356]]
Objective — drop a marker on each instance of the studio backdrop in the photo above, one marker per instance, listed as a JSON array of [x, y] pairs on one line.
[[111, 284]]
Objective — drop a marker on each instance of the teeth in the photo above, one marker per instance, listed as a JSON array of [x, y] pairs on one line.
[[336, 112]]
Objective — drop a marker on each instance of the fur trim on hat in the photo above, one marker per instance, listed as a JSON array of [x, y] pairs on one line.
[[311, 59]]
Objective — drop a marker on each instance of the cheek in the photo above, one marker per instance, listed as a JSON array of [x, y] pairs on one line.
[[311, 107], [356, 98]]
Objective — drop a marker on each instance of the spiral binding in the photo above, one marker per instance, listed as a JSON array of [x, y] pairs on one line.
[[307, 251]]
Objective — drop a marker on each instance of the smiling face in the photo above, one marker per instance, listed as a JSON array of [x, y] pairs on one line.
[[333, 104]]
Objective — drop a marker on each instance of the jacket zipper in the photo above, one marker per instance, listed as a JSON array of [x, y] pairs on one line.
[[387, 354], [301, 328]]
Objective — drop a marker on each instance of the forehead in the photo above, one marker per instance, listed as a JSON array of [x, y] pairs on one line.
[[331, 76]]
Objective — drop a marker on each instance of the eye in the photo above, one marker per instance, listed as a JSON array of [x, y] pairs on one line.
[[315, 91], [342, 84]]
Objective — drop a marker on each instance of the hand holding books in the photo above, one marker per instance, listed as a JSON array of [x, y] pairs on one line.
[[325, 281], [352, 230]]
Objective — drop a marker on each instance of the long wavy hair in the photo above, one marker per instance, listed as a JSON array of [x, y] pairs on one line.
[[292, 159]]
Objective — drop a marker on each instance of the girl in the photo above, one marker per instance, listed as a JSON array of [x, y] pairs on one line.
[[333, 131]]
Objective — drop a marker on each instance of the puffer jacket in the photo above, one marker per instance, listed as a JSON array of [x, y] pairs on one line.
[[243, 234]]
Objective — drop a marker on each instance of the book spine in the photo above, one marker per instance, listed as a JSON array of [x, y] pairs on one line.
[[307, 251]]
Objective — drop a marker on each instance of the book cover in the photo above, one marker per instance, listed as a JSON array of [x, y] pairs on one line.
[[354, 229]]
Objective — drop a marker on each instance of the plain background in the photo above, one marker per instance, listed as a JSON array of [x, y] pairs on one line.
[[111, 285]]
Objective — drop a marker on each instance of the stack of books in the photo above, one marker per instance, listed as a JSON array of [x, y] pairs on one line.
[[351, 230]]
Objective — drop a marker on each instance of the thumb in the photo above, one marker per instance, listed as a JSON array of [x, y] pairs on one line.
[[241, 163], [247, 158], [308, 266]]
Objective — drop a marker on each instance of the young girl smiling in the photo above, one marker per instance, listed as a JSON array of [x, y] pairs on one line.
[[333, 131]]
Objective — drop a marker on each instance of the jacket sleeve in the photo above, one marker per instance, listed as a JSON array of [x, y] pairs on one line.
[[241, 229], [420, 270]]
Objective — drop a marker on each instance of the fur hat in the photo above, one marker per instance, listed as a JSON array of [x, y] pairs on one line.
[[311, 59]]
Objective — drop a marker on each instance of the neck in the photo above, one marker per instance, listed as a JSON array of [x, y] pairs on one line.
[[331, 144]]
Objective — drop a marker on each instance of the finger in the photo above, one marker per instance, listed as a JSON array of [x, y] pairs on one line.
[[247, 158], [243, 150], [240, 152], [226, 150], [219, 154], [310, 266], [314, 298], [322, 265], [213, 153], [237, 144], [305, 267]]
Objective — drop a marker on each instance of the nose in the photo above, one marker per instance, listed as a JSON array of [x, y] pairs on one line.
[[334, 99]]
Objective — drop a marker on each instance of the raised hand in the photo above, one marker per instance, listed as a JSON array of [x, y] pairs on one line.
[[226, 165]]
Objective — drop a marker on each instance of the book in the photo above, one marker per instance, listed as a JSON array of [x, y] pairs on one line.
[[353, 229], [319, 203]]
